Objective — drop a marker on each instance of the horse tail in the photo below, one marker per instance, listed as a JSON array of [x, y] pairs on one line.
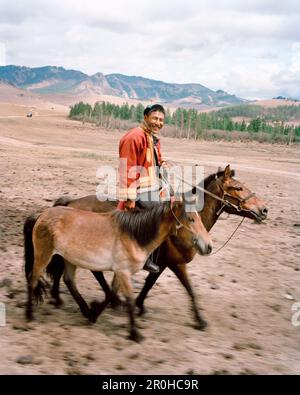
[[29, 256], [40, 290], [62, 201], [56, 267], [28, 244]]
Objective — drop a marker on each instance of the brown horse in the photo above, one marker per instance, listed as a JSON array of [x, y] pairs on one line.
[[224, 193], [119, 242]]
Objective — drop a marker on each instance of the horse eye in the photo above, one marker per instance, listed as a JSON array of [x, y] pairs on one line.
[[235, 188]]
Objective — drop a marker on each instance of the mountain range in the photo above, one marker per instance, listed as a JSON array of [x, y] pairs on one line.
[[52, 80]]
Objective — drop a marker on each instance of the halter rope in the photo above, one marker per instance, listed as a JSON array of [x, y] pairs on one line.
[[181, 225], [224, 203]]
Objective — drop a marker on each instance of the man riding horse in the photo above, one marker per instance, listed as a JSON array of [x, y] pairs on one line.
[[140, 161]]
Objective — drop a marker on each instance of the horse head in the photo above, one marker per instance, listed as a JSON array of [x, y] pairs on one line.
[[192, 231], [240, 200]]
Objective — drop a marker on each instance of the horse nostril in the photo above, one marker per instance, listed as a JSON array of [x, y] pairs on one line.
[[264, 211], [209, 249]]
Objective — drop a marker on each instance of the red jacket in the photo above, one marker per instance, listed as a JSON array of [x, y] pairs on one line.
[[137, 162]]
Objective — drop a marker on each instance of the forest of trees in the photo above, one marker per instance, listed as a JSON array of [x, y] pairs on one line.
[[282, 113], [263, 124]]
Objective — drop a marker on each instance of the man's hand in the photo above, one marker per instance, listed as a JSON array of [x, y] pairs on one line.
[[129, 204]]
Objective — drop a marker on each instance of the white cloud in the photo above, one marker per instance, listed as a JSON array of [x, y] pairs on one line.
[[250, 50]]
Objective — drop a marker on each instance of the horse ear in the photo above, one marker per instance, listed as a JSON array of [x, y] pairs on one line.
[[227, 172], [177, 203]]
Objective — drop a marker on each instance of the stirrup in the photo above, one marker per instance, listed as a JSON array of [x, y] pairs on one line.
[[151, 267]]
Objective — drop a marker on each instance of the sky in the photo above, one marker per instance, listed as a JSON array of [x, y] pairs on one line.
[[250, 48]]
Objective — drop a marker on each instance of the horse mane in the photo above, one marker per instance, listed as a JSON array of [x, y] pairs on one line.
[[208, 180], [141, 224], [62, 201], [214, 176]]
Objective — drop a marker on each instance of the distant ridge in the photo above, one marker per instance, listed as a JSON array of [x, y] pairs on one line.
[[52, 80], [10, 94]]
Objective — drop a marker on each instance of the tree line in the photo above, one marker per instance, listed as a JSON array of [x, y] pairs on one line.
[[264, 125], [282, 113]]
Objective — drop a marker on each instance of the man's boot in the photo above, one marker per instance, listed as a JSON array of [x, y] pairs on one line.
[[150, 266]]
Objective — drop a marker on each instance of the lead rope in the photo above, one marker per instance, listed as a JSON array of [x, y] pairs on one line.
[[229, 238], [219, 212], [181, 225], [225, 203]]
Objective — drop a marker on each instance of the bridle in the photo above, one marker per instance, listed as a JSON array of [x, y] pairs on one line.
[[225, 202], [237, 207], [181, 225]]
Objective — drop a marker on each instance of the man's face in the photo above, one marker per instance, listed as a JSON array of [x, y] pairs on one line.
[[155, 121]]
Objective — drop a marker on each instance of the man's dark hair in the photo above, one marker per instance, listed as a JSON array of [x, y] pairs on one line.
[[154, 107]]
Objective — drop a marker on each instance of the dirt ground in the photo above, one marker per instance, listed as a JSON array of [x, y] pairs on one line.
[[246, 290]]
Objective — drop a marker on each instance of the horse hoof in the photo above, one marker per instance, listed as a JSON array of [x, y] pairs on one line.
[[95, 310], [56, 302], [135, 336], [201, 325], [92, 318], [141, 311], [29, 317]]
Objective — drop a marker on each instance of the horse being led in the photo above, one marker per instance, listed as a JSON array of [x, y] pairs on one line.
[[174, 253], [116, 241], [223, 193]]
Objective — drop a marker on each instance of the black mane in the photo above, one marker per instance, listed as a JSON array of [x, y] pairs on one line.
[[207, 181], [214, 176], [141, 224]]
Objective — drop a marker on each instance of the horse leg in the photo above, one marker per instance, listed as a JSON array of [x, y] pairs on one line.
[[124, 281], [36, 287], [181, 273], [29, 309], [110, 295], [96, 307], [56, 269], [149, 282], [69, 275]]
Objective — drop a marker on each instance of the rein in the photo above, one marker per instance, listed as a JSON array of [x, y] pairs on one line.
[[224, 203], [227, 241], [236, 207], [222, 200], [180, 224]]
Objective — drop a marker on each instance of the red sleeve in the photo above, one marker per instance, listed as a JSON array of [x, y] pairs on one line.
[[129, 151]]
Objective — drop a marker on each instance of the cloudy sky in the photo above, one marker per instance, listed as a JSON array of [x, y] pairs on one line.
[[250, 48]]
